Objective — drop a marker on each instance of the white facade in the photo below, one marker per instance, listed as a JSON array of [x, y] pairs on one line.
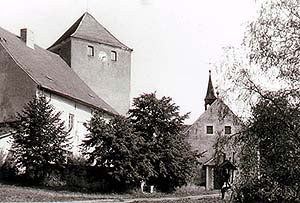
[[74, 115], [5, 144]]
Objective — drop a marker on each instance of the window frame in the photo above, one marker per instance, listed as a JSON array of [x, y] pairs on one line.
[[90, 51], [113, 55], [226, 127], [209, 129], [71, 120]]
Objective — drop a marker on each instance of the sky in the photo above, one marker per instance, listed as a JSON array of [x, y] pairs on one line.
[[175, 43]]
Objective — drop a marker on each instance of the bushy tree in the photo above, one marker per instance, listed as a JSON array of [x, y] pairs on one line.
[[159, 123], [115, 148], [269, 158], [40, 141]]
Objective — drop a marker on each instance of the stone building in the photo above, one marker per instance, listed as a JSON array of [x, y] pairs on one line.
[[99, 59], [89, 69], [216, 121]]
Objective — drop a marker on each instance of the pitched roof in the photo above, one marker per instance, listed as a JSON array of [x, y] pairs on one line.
[[88, 28], [210, 94], [50, 72]]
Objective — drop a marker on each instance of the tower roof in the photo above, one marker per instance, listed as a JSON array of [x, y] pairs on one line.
[[210, 94], [88, 28]]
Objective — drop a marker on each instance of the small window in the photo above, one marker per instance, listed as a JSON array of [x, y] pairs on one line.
[[113, 56], [209, 129], [90, 51], [227, 130], [71, 121]]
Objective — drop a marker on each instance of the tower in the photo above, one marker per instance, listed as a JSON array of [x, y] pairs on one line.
[[99, 59], [210, 94]]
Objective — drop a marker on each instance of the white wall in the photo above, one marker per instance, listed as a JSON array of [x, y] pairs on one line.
[[82, 114], [5, 144]]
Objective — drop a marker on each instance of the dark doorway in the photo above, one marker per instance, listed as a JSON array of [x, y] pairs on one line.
[[218, 180]]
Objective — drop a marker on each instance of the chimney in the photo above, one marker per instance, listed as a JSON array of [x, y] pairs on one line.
[[28, 37]]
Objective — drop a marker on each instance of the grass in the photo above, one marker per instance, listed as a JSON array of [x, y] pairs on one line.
[[12, 193]]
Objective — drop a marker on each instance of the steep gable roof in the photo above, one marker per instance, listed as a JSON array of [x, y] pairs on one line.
[[88, 28], [50, 72], [222, 110]]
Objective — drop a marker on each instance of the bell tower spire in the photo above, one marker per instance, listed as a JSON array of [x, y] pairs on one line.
[[210, 94]]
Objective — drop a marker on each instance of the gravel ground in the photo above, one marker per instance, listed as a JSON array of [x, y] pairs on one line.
[[205, 200]]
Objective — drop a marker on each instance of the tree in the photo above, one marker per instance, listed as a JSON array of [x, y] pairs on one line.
[[40, 141], [268, 81], [273, 38], [115, 148], [159, 123], [270, 151]]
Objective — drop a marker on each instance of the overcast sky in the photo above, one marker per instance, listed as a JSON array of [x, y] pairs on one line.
[[175, 42]]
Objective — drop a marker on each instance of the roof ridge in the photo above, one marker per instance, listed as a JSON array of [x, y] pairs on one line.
[[82, 17], [66, 34]]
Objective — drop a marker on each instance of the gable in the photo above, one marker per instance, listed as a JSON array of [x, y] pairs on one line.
[[218, 116]]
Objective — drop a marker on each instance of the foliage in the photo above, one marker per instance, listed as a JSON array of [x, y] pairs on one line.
[[40, 140], [269, 170], [159, 123], [274, 38], [8, 170], [270, 151], [116, 150]]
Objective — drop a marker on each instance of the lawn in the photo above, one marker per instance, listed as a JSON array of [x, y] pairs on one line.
[[11, 193]]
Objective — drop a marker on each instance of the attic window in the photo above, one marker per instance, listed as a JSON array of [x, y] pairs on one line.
[[91, 95], [227, 130], [113, 56], [49, 78], [2, 39], [90, 51], [209, 129]]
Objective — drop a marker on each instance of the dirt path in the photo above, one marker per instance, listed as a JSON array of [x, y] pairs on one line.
[[115, 200]]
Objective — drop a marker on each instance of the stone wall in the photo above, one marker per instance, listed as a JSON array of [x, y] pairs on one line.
[[109, 79]]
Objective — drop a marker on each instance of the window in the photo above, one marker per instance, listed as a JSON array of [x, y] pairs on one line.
[[209, 129], [113, 56], [227, 130], [71, 121], [90, 51]]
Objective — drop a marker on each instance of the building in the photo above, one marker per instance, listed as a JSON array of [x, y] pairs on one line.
[[71, 74], [216, 121], [99, 59]]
